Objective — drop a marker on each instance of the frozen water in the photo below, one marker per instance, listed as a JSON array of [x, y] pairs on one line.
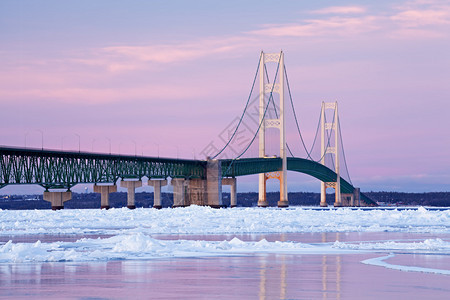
[[380, 261], [204, 220], [139, 246], [130, 234]]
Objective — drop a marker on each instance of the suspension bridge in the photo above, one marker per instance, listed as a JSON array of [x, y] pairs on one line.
[[200, 181]]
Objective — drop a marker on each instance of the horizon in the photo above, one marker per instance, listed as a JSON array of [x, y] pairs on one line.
[[150, 191]]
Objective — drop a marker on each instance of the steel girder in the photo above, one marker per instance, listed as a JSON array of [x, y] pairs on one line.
[[59, 169], [318, 171], [249, 166]]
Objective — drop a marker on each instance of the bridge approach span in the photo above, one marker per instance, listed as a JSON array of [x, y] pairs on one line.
[[61, 169]]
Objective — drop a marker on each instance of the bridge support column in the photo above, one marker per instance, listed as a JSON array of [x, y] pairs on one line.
[[157, 184], [233, 193], [196, 192], [279, 123], [179, 192], [338, 196], [57, 199], [357, 197], [214, 183], [323, 195], [131, 186], [347, 199], [283, 191], [262, 198], [104, 191]]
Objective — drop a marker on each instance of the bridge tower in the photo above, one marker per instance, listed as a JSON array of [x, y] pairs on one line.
[[270, 88], [326, 148]]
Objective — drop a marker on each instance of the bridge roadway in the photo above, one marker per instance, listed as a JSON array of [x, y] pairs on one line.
[[63, 170]]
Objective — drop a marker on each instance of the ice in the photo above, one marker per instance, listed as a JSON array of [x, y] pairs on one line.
[[130, 234], [140, 246], [204, 220], [428, 244], [380, 261]]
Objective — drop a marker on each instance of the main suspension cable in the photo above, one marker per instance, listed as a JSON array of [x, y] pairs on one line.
[[245, 109], [343, 152], [263, 119], [295, 115], [317, 133]]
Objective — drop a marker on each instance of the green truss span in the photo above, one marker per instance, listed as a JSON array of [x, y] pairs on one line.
[[60, 169], [249, 166]]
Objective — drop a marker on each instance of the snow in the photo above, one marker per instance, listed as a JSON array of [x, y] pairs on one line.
[[130, 234], [204, 220], [429, 245], [380, 261], [139, 246]]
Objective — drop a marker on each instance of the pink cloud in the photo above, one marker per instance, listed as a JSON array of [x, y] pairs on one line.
[[415, 33], [341, 10], [417, 18], [337, 26], [421, 19], [185, 51]]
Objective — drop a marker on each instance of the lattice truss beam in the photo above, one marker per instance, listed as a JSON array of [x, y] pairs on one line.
[[52, 169]]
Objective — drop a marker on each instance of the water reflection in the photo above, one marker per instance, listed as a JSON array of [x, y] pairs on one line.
[[294, 274], [263, 276], [283, 284], [324, 277]]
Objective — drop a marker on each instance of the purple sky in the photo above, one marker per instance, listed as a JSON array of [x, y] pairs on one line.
[[173, 74]]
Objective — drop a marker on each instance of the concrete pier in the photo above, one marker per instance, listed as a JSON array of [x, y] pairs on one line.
[[262, 197], [157, 184], [233, 193], [347, 199], [357, 197], [196, 192], [214, 183], [338, 196], [323, 194], [57, 199], [179, 192], [131, 186], [338, 199], [104, 191]]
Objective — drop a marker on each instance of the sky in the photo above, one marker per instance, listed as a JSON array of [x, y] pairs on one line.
[[167, 77]]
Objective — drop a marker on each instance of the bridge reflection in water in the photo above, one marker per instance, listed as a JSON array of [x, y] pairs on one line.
[[292, 281]]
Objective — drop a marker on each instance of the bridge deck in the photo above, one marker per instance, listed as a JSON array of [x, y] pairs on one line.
[[61, 169], [64, 169]]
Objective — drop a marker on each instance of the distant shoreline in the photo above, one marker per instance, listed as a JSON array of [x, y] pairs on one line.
[[145, 199]]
